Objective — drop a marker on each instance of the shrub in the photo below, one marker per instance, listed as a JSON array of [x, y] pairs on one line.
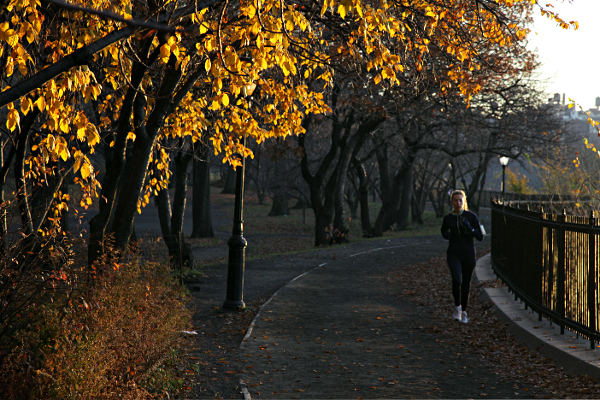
[[106, 333], [518, 183]]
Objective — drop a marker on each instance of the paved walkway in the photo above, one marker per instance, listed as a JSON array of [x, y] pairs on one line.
[[340, 330]]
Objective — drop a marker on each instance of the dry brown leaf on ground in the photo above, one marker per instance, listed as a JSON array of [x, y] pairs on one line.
[[486, 336]]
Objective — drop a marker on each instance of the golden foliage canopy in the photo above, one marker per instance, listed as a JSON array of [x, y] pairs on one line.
[[259, 66]]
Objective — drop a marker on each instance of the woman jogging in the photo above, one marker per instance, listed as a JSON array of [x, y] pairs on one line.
[[460, 227]]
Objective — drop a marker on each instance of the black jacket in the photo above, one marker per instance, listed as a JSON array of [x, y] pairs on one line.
[[460, 231]]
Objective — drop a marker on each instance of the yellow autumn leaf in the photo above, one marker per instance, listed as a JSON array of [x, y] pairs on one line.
[[165, 53], [225, 100], [25, 105], [92, 135], [13, 120], [96, 91], [358, 9], [50, 142], [8, 35], [64, 125], [64, 153], [285, 68], [324, 8], [23, 68], [86, 169], [40, 103], [251, 11], [211, 44]]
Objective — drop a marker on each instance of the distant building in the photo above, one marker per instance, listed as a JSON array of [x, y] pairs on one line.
[[576, 119]]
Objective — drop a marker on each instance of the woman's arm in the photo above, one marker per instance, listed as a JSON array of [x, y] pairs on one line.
[[445, 229], [477, 234], [470, 223]]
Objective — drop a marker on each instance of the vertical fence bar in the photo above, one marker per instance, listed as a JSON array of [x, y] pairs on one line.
[[591, 283], [550, 240], [540, 284], [560, 278]]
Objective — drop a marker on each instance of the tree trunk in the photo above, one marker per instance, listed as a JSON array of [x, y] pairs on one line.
[[146, 131], [363, 195], [64, 217], [20, 183], [324, 217], [253, 173], [438, 207], [403, 212], [478, 181], [183, 256], [3, 214], [131, 188], [171, 216], [229, 181], [351, 146], [163, 205], [300, 205], [114, 168], [416, 210], [201, 215], [353, 201], [280, 204], [322, 205], [120, 197], [390, 196]]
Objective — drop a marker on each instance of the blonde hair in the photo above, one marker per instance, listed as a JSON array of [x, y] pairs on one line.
[[462, 193]]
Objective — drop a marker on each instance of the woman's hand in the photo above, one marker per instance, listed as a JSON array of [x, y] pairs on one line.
[[465, 223]]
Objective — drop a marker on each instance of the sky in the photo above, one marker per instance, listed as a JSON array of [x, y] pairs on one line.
[[571, 59]]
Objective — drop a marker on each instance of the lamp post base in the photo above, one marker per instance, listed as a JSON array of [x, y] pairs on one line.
[[235, 273], [233, 305]]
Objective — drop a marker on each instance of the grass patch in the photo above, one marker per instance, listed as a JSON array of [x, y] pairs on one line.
[[292, 233], [204, 242]]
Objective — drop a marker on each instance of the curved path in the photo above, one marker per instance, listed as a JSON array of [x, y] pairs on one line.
[[342, 331]]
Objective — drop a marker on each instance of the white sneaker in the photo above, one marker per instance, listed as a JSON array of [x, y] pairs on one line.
[[457, 313], [463, 317]]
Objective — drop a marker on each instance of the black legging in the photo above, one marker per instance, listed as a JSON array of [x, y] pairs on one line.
[[461, 269]]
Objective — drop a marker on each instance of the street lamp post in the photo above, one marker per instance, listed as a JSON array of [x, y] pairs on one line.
[[237, 247], [504, 162], [234, 298]]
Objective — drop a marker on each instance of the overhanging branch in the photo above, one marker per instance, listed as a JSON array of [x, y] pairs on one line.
[[79, 57]]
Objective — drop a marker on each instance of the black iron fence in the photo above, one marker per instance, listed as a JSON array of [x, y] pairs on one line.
[[551, 263], [545, 200]]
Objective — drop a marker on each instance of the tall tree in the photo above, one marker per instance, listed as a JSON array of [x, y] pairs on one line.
[[201, 216], [165, 67]]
